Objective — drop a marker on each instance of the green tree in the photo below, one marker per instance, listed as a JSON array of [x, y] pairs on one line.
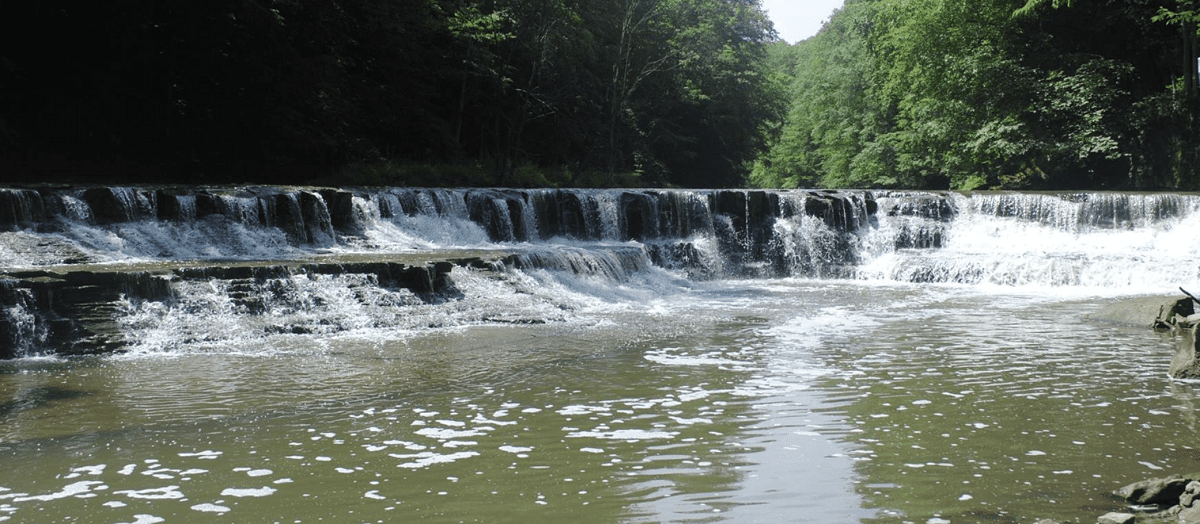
[[1000, 94]]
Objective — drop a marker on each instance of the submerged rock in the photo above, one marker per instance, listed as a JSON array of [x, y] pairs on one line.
[[1185, 364], [1174, 314], [1143, 311]]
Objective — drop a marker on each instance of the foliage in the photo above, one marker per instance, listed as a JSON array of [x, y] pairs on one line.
[[672, 91], [963, 94], [996, 94]]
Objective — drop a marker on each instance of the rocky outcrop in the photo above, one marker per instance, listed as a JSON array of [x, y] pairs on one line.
[[74, 310], [1168, 500], [1158, 311], [21, 209], [1173, 500], [1159, 492], [51, 297], [71, 311], [312, 215]]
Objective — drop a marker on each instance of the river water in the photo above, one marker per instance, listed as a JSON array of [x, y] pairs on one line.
[[987, 395]]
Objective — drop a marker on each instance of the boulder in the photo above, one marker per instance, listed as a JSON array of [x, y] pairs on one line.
[[1163, 491], [1188, 515], [1116, 518], [1177, 494], [1190, 493]]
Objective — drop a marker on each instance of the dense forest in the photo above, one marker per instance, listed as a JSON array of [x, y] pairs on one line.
[[967, 94], [501, 92], [1030, 94]]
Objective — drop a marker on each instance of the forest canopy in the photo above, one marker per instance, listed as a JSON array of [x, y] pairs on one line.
[[673, 91], [962, 94], [1011, 94]]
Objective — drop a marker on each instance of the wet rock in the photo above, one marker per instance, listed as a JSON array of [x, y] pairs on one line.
[[119, 204], [920, 236], [566, 216], [932, 207], [342, 214], [680, 256], [178, 208], [1184, 363], [732, 203], [761, 206], [1178, 314], [20, 208], [1190, 508], [1117, 518], [639, 216], [75, 312], [1188, 515], [1143, 311], [72, 312], [318, 226], [283, 211], [1190, 493], [303, 215], [1174, 314], [1178, 495], [841, 211], [208, 204], [1162, 491], [499, 213]]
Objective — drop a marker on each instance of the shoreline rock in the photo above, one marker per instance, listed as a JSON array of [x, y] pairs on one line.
[[1153, 311], [1173, 500]]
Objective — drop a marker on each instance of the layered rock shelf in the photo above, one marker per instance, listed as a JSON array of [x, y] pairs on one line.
[[72, 309], [70, 256]]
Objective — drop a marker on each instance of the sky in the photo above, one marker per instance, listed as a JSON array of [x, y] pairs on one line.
[[797, 20]]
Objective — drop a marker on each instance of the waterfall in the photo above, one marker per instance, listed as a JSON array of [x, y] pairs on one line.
[[1100, 241], [282, 259], [23, 330], [732, 233]]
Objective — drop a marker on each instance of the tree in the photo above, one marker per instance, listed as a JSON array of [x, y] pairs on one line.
[[998, 94]]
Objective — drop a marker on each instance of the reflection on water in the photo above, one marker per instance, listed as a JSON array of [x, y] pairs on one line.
[[769, 401], [1008, 409]]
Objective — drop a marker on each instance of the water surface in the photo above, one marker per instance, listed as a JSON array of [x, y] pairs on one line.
[[664, 356], [755, 401]]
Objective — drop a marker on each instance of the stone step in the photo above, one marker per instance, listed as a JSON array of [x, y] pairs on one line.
[[71, 309]]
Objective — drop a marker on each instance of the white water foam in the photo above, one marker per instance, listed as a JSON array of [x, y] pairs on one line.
[[1053, 252], [248, 492]]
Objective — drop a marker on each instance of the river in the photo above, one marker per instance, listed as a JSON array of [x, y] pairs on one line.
[[954, 379]]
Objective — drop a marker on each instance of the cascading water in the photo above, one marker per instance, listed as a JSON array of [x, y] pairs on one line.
[[593, 356], [1103, 242], [1135, 243]]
